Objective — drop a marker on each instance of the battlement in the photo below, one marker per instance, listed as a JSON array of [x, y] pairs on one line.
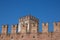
[[45, 27], [27, 29], [14, 29], [5, 29], [30, 24], [56, 23], [56, 26], [28, 17]]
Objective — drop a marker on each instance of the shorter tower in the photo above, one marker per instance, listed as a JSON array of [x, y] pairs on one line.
[[4, 29], [44, 27]]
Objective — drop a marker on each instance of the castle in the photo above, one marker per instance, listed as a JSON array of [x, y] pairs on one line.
[[28, 30]]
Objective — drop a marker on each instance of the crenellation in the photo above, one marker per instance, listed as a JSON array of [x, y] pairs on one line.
[[4, 29], [27, 29], [59, 24], [45, 27], [56, 27], [14, 29]]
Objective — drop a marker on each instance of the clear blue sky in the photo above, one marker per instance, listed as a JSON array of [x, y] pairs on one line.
[[45, 10]]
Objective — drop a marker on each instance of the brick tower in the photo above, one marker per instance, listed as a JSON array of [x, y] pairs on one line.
[[28, 24], [28, 30]]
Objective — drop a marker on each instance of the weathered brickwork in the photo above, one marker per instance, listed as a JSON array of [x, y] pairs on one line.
[[27, 29]]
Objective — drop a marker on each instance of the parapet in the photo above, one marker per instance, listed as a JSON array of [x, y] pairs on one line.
[[4, 29], [56, 26], [14, 29], [28, 17], [25, 25], [44, 27]]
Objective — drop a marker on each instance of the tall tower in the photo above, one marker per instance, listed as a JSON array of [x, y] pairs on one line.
[[28, 24]]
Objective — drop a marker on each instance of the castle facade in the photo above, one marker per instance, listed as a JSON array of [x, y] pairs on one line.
[[28, 27]]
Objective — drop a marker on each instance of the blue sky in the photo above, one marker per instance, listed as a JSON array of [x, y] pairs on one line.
[[45, 10]]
